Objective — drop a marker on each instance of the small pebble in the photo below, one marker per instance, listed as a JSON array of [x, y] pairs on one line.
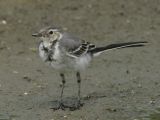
[[127, 71], [132, 91], [27, 78], [19, 21], [139, 85], [152, 102], [90, 6], [8, 48], [65, 116], [15, 72], [25, 93], [77, 17], [111, 109], [39, 86], [4, 22], [128, 21]]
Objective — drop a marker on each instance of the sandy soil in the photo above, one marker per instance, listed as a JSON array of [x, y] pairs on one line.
[[121, 85]]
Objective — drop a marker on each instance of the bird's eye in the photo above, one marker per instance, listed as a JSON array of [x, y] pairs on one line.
[[50, 32]]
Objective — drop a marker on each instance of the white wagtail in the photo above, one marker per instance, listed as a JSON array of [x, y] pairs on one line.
[[64, 51]]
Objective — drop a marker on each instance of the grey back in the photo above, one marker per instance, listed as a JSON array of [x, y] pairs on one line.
[[70, 42]]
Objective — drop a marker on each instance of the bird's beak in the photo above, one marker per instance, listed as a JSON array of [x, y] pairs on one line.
[[37, 35]]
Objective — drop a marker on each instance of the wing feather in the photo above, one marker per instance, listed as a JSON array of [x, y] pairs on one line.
[[82, 49], [74, 46]]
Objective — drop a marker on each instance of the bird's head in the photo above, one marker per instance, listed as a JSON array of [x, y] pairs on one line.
[[48, 35]]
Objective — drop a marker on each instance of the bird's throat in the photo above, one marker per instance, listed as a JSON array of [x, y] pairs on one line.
[[49, 45]]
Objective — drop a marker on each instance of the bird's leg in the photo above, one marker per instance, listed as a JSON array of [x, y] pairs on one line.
[[79, 86], [61, 105], [63, 84], [79, 104], [79, 89]]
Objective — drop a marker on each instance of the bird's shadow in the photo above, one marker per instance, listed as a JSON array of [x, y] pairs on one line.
[[72, 101]]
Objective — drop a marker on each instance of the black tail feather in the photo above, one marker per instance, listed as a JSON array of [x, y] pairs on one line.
[[118, 46]]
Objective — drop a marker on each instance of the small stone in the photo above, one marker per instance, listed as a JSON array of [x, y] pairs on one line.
[[132, 91], [4, 22], [60, 85], [65, 116], [27, 78], [8, 48], [25, 93], [139, 85], [111, 109], [19, 21], [77, 17], [121, 13], [90, 6], [127, 71], [152, 102], [128, 21], [15, 72], [39, 86]]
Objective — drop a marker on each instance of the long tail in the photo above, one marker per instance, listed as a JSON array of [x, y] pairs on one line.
[[117, 46]]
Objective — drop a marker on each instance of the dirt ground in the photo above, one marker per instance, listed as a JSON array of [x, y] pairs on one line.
[[121, 84]]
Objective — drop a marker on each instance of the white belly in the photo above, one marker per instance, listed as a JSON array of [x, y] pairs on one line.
[[58, 62], [57, 55]]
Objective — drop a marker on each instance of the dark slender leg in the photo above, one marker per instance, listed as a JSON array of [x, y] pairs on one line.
[[79, 86], [63, 84], [79, 89], [79, 104], [61, 105]]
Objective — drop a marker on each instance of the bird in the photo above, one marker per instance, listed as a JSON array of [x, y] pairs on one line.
[[65, 51]]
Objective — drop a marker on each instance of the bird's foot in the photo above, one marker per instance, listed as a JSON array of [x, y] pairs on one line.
[[74, 107], [77, 106], [60, 106]]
